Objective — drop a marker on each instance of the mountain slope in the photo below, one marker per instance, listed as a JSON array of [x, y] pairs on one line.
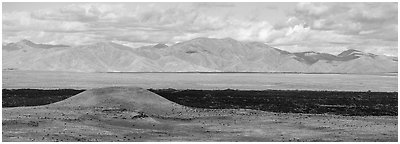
[[229, 55], [197, 55], [99, 57], [26, 43]]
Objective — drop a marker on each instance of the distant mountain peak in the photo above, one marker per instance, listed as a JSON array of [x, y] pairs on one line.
[[311, 52], [160, 45], [107, 45], [351, 52], [26, 42], [200, 54]]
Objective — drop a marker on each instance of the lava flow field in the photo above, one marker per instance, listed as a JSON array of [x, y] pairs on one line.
[[283, 101], [289, 101]]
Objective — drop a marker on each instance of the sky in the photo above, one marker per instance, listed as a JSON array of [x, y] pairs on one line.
[[295, 27]]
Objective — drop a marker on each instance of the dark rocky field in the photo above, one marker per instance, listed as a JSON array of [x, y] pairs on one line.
[[35, 97], [289, 101], [284, 101]]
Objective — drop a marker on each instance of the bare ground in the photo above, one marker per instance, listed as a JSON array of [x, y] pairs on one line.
[[242, 81], [135, 114]]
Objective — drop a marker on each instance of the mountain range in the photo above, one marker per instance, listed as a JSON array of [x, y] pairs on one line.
[[196, 55]]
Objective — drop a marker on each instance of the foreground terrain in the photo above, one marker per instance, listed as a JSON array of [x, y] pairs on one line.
[[136, 114]]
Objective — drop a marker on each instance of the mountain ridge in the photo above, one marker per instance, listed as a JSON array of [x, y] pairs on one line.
[[196, 55]]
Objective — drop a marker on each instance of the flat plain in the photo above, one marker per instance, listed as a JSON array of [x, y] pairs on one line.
[[114, 108], [242, 81]]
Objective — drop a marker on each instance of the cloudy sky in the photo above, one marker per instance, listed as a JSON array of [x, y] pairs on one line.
[[322, 27]]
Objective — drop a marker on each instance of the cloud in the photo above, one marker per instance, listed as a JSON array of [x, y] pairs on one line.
[[332, 27], [146, 22], [325, 27], [302, 38], [79, 12], [22, 21], [352, 18]]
